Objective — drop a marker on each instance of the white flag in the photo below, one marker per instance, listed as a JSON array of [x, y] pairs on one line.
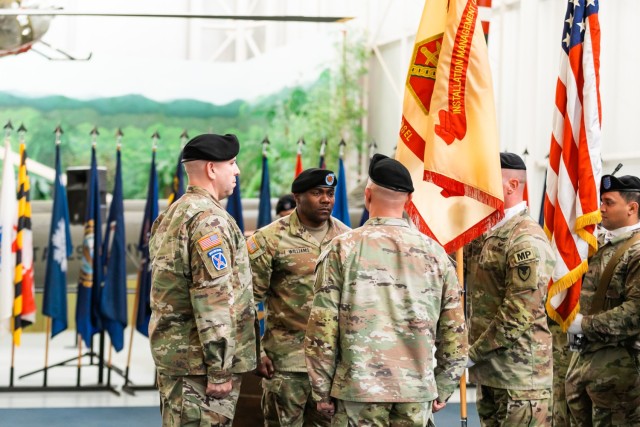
[[8, 225]]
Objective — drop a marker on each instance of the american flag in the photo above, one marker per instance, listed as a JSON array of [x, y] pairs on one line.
[[209, 242], [573, 175]]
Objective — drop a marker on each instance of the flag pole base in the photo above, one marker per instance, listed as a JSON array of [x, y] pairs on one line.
[[31, 389]]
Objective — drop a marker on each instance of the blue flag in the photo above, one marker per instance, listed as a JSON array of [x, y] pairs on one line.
[[234, 205], [177, 184], [341, 207], [264, 208], [113, 305], [364, 217], [144, 275], [89, 284], [54, 300]]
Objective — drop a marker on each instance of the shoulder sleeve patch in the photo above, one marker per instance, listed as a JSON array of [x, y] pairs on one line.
[[252, 245], [524, 256], [218, 259], [209, 241]]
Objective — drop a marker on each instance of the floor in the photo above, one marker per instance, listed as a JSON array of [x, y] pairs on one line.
[[141, 404]]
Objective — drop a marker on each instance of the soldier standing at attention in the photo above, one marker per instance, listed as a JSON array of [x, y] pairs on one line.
[[510, 354], [283, 259], [385, 297], [202, 324], [603, 381]]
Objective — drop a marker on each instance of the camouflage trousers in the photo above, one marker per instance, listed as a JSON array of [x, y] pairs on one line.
[[286, 401], [561, 358], [183, 402], [603, 388], [498, 407], [388, 414]]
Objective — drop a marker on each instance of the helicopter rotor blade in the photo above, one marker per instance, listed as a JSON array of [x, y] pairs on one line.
[[280, 18]]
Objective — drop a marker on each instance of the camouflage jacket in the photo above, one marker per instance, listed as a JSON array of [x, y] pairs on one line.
[[283, 258], [203, 315], [385, 297], [507, 275], [619, 321]]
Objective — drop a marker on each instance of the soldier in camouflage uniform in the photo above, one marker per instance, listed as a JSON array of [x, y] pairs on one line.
[[603, 381], [510, 352], [283, 259], [202, 324], [385, 297]]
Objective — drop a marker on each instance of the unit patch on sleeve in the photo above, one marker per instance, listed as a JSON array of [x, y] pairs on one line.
[[218, 259], [209, 241], [524, 255]]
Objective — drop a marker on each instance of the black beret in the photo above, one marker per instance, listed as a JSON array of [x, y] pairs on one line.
[[512, 161], [623, 184], [285, 203], [312, 178], [390, 173], [211, 147]]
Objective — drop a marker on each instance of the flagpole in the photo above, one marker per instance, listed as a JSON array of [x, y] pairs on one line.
[[463, 378], [79, 338], [133, 328], [46, 349], [13, 350]]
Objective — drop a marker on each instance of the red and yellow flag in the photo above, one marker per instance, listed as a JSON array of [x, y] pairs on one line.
[[448, 137], [24, 307]]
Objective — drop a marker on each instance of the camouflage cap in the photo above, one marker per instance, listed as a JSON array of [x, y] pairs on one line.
[[211, 147]]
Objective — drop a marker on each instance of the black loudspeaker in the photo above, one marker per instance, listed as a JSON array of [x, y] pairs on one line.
[[77, 183]]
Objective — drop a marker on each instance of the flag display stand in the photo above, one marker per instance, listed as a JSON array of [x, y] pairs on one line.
[[66, 363]]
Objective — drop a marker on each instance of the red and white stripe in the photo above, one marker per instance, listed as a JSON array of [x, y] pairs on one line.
[[571, 205]]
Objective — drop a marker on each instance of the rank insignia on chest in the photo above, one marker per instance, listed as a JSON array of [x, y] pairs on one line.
[[218, 259], [209, 242], [252, 245], [524, 272]]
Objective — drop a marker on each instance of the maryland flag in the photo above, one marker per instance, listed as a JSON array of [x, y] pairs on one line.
[[448, 136], [24, 305], [571, 204]]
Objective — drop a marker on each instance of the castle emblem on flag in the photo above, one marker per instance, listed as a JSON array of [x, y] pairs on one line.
[[421, 78]]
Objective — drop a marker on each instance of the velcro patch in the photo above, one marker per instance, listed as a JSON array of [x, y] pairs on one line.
[[209, 241], [524, 255], [295, 251], [252, 245], [218, 259], [524, 272]]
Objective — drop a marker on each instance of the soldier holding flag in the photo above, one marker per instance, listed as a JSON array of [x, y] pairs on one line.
[[508, 270], [603, 383]]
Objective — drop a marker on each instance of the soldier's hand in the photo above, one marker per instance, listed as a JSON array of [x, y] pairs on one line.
[[265, 369], [219, 391], [436, 406], [327, 409]]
